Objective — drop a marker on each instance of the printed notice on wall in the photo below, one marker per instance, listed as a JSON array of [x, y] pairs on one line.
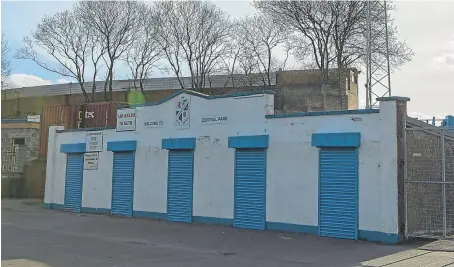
[[153, 123], [206, 120], [93, 141], [91, 161], [126, 120]]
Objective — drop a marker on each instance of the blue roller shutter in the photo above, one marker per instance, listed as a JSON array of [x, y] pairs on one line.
[[180, 185], [250, 188], [123, 184], [338, 203], [73, 181]]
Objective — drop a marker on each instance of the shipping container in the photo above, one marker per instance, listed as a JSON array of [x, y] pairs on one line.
[[75, 117]]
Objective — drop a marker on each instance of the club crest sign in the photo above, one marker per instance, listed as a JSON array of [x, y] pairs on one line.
[[182, 111]]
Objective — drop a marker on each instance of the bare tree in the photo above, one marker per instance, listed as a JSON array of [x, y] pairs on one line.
[[260, 37], [141, 58], [97, 51], [193, 35], [6, 63], [228, 63], [63, 38], [312, 21], [116, 23], [335, 30]]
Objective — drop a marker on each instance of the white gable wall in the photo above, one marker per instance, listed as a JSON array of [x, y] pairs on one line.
[[292, 163]]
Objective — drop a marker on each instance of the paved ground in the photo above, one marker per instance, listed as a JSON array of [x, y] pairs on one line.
[[33, 236]]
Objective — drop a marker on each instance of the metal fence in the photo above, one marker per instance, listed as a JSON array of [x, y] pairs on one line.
[[13, 160], [429, 182]]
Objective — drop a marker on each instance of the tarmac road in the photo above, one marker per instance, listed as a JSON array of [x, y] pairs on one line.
[[33, 236]]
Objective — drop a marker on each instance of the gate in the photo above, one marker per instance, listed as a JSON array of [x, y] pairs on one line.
[[13, 159], [429, 182]]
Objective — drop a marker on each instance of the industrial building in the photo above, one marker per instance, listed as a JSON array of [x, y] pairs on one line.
[[232, 160], [295, 90]]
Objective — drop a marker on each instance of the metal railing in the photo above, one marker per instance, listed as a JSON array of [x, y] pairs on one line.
[[13, 159]]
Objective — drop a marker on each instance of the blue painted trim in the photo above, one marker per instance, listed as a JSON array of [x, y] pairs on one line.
[[374, 236], [393, 98], [192, 183], [449, 121], [319, 191], [178, 143], [149, 214], [253, 141], [80, 159], [133, 177], [118, 146], [290, 227], [336, 139], [356, 192], [212, 220], [95, 210], [189, 92], [17, 121], [72, 148], [58, 206], [265, 187], [385, 238], [54, 206], [87, 129], [235, 183], [323, 113]]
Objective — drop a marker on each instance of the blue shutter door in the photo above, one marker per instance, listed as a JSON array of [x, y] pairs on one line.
[[180, 185], [250, 188], [123, 184], [73, 182], [338, 203]]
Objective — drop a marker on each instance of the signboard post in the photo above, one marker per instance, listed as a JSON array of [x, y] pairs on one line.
[[93, 141], [91, 160], [126, 120]]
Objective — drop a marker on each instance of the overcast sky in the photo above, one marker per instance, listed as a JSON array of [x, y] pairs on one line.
[[427, 26]]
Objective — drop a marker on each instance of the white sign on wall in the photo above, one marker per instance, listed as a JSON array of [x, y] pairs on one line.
[[206, 120], [33, 118], [91, 160], [126, 120], [151, 123], [93, 141]]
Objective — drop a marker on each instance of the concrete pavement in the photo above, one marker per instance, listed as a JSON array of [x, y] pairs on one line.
[[33, 236]]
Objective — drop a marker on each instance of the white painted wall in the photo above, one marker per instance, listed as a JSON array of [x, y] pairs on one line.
[[292, 171]]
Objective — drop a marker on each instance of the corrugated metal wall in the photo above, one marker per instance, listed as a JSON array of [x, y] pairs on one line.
[[50, 115], [75, 117], [170, 83]]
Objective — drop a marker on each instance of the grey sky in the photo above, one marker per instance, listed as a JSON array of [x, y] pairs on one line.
[[426, 26], [428, 80]]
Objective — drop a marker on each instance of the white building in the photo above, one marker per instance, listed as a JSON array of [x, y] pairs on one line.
[[230, 160]]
